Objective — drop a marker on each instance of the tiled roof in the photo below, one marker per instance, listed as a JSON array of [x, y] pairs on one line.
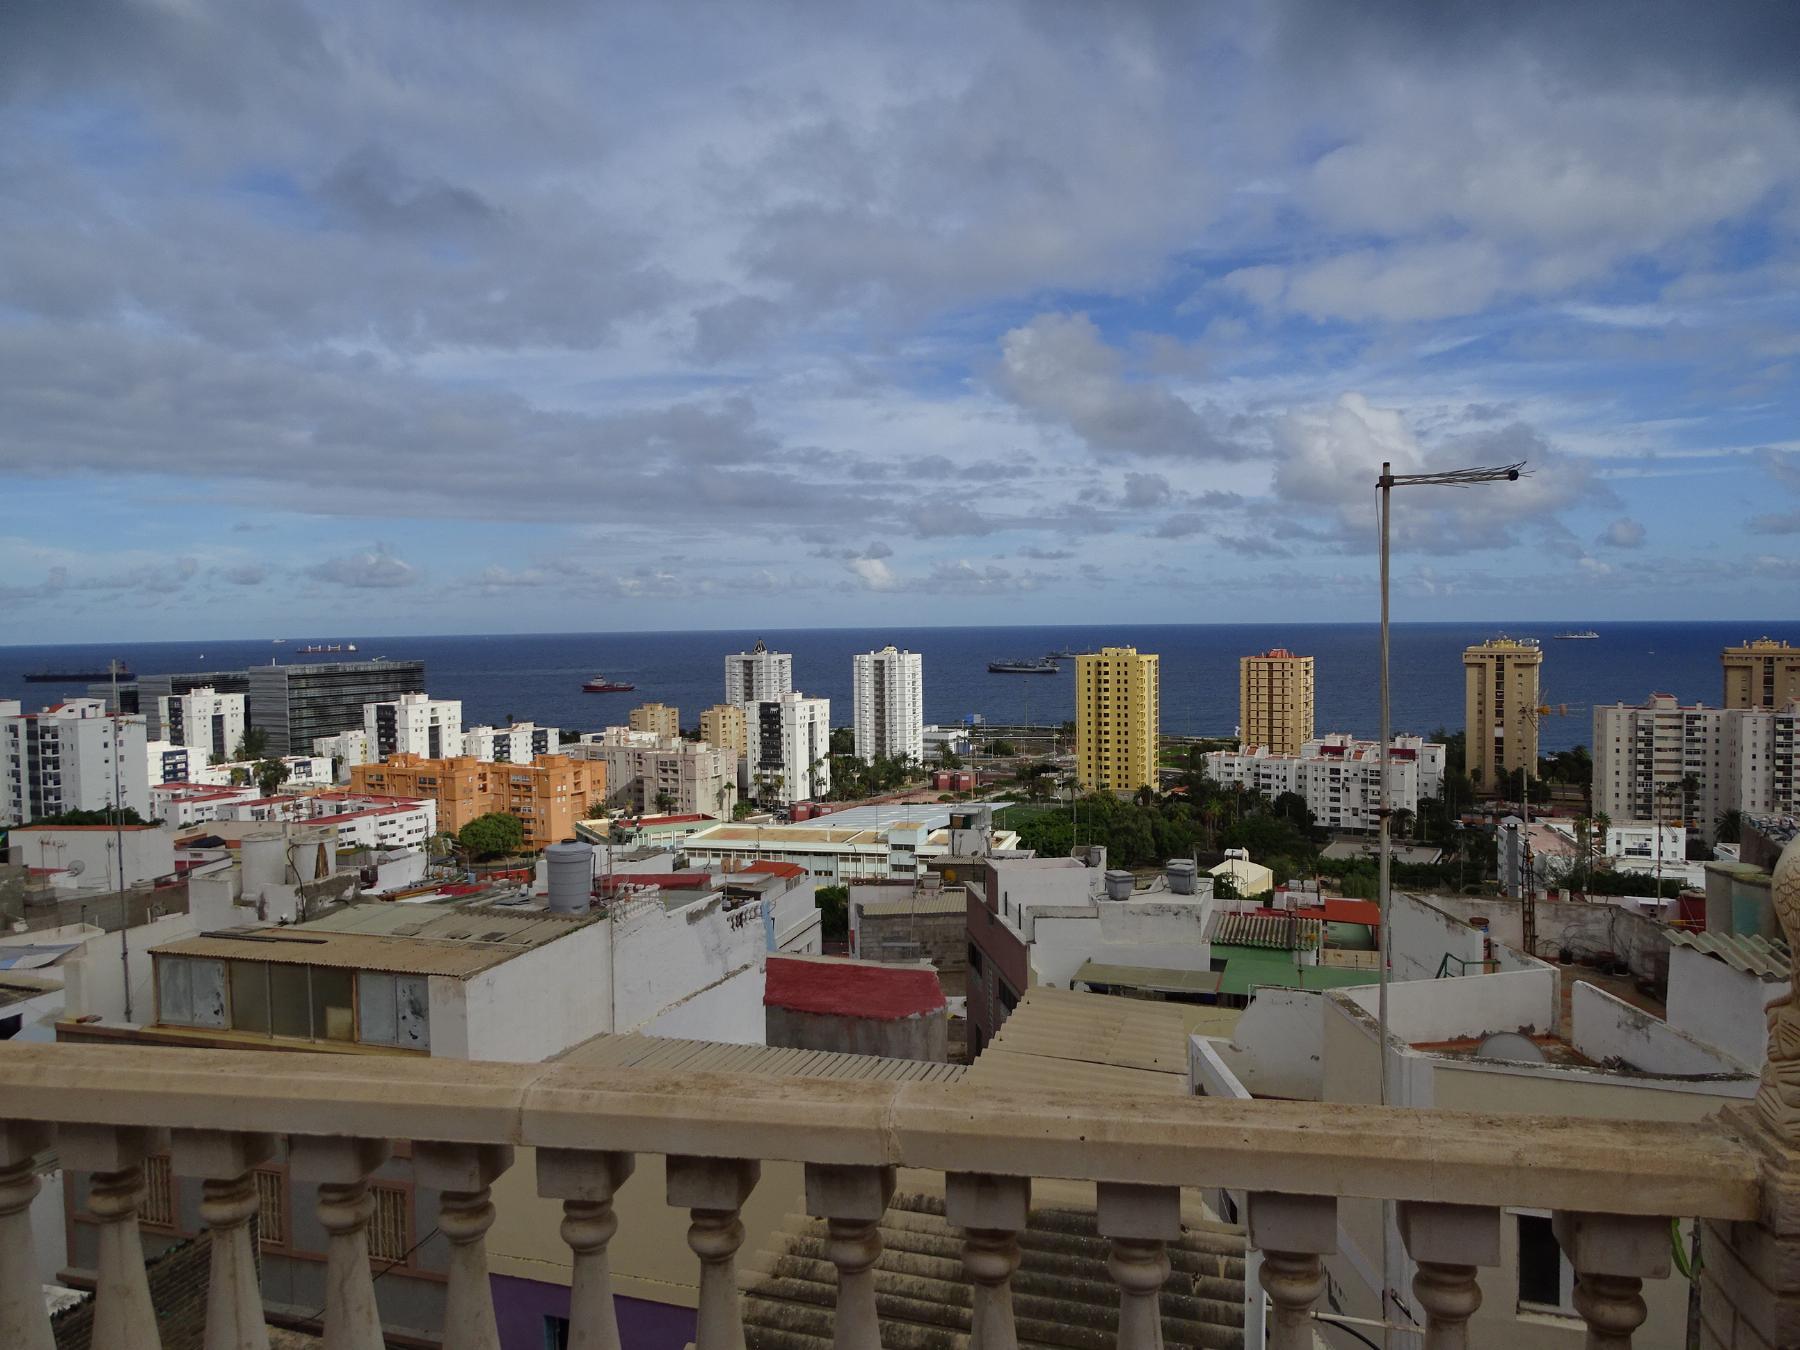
[[1746, 952], [1265, 930]]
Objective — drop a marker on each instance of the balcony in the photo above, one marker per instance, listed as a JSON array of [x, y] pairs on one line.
[[1613, 1187]]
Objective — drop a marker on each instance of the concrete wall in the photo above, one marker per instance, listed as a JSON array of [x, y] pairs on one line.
[[149, 853], [1423, 933], [1585, 927], [922, 1036], [539, 1002], [942, 939], [731, 1010], [1720, 1005], [1277, 1048], [1608, 1029], [95, 980], [1526, 1001]]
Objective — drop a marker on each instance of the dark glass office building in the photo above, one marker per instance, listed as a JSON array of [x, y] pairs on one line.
[[293, 705]]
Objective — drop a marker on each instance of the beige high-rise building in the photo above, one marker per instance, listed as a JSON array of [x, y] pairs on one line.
[[1761, 674], [1500, 699], [657, 718], [1275, 701], [722, 725], [1118, 715]]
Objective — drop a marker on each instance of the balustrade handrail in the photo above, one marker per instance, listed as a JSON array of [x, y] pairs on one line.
[[1698, 1169]]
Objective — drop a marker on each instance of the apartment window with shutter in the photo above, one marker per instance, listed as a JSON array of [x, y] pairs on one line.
[[271, 1208], [158, 1208], [390, 1227]]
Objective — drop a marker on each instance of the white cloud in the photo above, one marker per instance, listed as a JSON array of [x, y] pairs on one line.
[[373, 569]]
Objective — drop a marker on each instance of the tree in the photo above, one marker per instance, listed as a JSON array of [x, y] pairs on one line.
[[127, 816], [834, 911], [1002, 749], [843, 741], [253, 745], [596, 808], [949, 759], [271, 774], [1731, 826], [491, 835], [665, 802]]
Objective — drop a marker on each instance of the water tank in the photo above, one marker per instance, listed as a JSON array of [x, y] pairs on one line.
[[1118, 885], [569, 869], [265, 860], [1181, 875]]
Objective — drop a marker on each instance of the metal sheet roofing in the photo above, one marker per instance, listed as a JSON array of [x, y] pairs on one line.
[[30, 956], [1282, 932], [955, 901], [1747, 952], [1145, 977], [661, 1052]]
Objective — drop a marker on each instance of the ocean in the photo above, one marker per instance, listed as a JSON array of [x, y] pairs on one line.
[[538, 677]]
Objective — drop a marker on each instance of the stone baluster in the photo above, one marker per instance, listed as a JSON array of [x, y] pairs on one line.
[[23, 1320], [852, 1200], [1293, 1232], [462, 1174], [1448, 1242], [225, 1161], [1612, 1254], [341, 1168], [713, 1190], [586, 1182], [1140, 1220], [114, 1155], [992, 1211]]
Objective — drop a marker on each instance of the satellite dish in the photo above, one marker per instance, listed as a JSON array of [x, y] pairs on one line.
[[1509, 1045], [77, 867]]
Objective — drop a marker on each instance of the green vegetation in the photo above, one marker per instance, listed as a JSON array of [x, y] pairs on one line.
[[270, 774], [492, 835], [949, 759], [127, 816], [1002, 748], [253, 745], [834, 912], [743, 809], [853, 778]]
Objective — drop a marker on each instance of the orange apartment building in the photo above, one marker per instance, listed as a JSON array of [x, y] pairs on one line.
[[549, 794]]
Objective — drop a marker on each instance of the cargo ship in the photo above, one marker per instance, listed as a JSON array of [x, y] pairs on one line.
[[74, 676], [313, 647], [601, 685], [1584, 635], [1043, 666]]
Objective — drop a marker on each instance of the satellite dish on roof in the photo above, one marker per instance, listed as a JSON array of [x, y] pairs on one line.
[[77, 867], [1509, 1045]]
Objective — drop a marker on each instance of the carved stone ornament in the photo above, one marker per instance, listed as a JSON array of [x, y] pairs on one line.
[[1778, 1100]]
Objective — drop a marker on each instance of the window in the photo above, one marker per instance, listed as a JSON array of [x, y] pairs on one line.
[[157, 1210], [271, 1208], [250, 996], [190, 992], [333, 1012], [390, 1226], [974, 958], [393, 1010], [1546, 1280], [289, 1002], [556, 1332]]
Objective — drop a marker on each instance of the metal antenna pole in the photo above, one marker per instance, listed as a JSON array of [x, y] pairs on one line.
[[112, 668]]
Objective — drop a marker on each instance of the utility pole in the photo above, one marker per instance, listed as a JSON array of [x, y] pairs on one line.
[[112, 668]]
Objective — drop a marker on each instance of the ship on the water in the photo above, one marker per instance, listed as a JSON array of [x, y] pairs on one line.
[[601, 685], [1583, 636], [1042, 666], [73, 676], [315, 647]]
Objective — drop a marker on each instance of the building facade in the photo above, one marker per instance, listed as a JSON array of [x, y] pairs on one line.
[[204, 720], [520, 743], [1762, 673], [723, 726], [663, 774], [151, 690], [790, 748], [657, 718], [1118, 715], [889, 692], [413, 724], [295, 705], [1275, 701], [1500, 699], [758, 676], [1339, 776], [548, 795], [72, 756]]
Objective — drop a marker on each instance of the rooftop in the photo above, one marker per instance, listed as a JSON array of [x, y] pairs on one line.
[[835, 987], [1746, 952], [1067, 1041], [659, 1052]]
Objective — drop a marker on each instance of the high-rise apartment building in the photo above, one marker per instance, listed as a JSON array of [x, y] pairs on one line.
[[548, 795], [723, 726], [758, 676], [413, 724], [1118, 715], [295, 705], [516, 743], [663, 774], [73, 756], [1761, 674], [790, 748], [889, 689], [204, 720], [1339, 776], [151, 690], [1500, 699], [1668, 762], [1275, 701], [657, 718]]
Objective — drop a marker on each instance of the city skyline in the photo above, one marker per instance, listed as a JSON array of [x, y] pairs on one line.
[[1083, 314]]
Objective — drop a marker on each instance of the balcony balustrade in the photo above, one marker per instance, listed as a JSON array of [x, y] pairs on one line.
[[1613, 1186]]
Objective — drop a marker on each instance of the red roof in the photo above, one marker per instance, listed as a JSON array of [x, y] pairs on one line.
[[1352, 911], [20, 829], [850, 989], [780, 869]]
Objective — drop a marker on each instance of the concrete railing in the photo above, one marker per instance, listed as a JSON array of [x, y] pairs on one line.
[[102, 1109]]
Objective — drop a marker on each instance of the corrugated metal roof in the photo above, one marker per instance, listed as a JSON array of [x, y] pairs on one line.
[[661, 1052], [1146, 977], [1280, 932], [1746, 952], [350, 951]]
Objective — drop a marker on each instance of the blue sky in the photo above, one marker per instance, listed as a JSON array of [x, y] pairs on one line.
[[464, 316]]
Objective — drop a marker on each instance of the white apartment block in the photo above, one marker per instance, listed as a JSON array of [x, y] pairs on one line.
[[648, 773], [790, 748], [413, 724], [167, 762], [1339, 776], [519, 743], [204, 720], [889, 689], [758, 676], [178, 805], [366, 820], [304, 771], [73, 756], [348, 748], [1672, 763]]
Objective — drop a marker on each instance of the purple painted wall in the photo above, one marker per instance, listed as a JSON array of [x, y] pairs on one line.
[[520, 1307]]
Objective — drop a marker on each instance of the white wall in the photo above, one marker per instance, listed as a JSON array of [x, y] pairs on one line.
[[1277, 1047], [95, 980], [1608, 1028], [540, 1002], [1423, 934], [731, 1010], [149, 853], [1721, 1006], [1473, 1005]]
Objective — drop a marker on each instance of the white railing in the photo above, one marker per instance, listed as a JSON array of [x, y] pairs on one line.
[[103, 1109]]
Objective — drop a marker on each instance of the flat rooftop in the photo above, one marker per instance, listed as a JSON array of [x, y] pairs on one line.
[[607, 1051]]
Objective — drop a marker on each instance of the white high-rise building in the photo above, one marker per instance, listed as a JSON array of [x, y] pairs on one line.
[[790, 748], [758, 675], [890, 705], [519, 743], [205, 721], [414, 724], [69, 758], [1339, 776]]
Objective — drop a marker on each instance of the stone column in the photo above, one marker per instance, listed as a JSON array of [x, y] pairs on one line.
[[225, 1162], [852, 1200], [586, 1183], [1293, 1232], [713, 1190], [461, 1174], [1448, 1242], [992, 1211], [1613, 1254], [23, 1321], [114, 1155], [341, 1169], [1141, 1221]]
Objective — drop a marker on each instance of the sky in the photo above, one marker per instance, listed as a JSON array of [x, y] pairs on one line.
[[534, 315]]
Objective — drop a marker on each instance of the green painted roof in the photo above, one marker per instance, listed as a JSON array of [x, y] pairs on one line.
[[1247, 967]]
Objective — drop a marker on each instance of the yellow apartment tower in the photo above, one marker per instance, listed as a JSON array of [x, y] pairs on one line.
[[722, 727], [1761, 674], [1500, 699], [657, 718], [1118, 714], [1275, 700]]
